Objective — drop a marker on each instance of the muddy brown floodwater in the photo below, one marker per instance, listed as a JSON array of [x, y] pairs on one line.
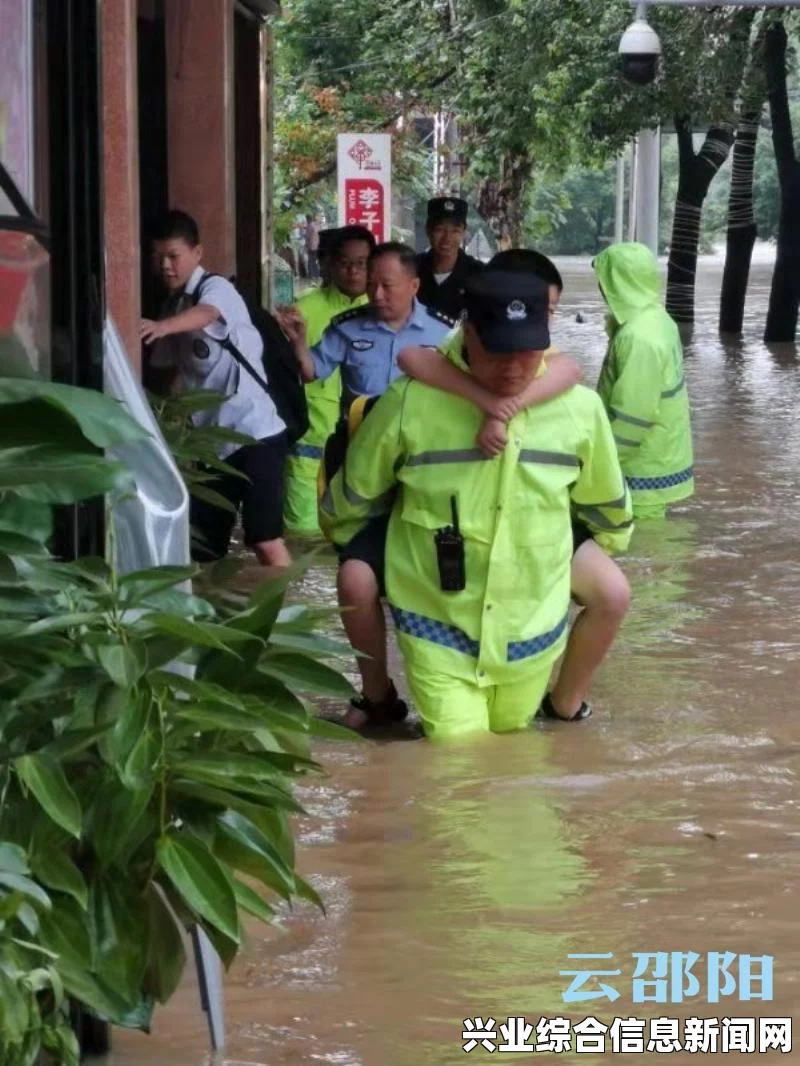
[[458, 882]]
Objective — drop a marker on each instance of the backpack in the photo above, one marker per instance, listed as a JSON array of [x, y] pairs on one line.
[[283, 383], [336, 445]]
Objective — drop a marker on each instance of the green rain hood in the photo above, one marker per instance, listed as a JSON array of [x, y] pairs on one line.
[[642, 382]]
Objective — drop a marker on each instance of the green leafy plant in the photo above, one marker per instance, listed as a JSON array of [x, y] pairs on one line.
[[195, 448], [149, 736], [33, 1004]]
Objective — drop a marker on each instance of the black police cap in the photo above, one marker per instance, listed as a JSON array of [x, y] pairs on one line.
[[327, 240], [447, 209], [509, 311]]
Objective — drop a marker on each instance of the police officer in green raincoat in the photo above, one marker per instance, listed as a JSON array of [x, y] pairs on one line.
[[479, 550], [344, 287], [642, 383]]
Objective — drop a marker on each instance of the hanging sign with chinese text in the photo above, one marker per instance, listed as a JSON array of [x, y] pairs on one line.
[[364, 169]]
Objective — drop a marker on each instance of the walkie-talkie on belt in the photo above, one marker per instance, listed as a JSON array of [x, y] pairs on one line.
[[450, 554]]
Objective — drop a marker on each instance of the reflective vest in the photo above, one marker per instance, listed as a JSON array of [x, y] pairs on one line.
[[642, 383], [514, 515]]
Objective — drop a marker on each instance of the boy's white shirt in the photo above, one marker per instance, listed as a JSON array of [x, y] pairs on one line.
[[203, 363]]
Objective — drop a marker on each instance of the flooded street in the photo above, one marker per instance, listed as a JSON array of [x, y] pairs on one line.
[[457, 882]]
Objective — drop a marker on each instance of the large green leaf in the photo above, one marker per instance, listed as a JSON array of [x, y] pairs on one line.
[[128, 713], [56, 869], [73, 742], [320, 727], [306, 675], [66, 932], [250, 774], [115, 816], [25, 516], [46, 780], [60, 623], [243, 845], [302, 617], [166, 955], [309, 643], [155, 578], [14, 1012], [124, 663], [13, 859], [206, 719], [199, 879], [204, 634], [203, 691], [48, 475], [272, 696], [250, 901], [142, 763], [12, 543], [25, 887], [119, 920], [178, 603], [307, 891], [104, 421], [271, 819], [102, 1000]]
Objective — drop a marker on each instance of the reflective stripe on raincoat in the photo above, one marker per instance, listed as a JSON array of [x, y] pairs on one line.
[[416, 450], [642, 383], [318, 307]]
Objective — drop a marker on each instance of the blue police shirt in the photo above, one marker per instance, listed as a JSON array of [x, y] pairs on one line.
[[366, 349]]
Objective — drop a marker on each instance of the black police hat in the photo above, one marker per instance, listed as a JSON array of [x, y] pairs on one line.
[[447, 209], [327, 240], [509, 311]]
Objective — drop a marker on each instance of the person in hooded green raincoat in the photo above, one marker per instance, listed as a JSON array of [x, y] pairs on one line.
[[479, 657], [346, 274], [642, 383]]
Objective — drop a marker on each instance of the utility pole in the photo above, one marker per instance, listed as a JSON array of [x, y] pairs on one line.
[[649, 188], [634, 193], [619, 216]]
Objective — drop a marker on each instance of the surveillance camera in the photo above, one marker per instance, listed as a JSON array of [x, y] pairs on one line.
[[640, 50]]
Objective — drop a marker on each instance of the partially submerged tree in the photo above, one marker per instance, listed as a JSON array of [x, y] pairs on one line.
[[785, 296], [742, 228], [696, 172], [718, 87]]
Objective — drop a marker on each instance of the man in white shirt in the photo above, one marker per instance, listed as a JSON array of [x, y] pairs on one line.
[[202, 313]]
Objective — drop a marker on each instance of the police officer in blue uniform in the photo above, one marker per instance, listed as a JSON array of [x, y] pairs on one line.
[[445, 268], [366, 341]]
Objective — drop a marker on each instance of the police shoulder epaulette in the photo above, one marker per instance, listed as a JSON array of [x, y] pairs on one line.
[[346, 316], [440, 316]]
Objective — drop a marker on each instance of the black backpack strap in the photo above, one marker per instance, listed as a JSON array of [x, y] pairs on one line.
[[228, 344]]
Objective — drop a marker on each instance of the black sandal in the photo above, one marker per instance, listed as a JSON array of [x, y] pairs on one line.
[[389, 710], [549, 711]]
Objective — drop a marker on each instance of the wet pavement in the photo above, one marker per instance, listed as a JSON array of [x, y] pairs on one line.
[[457, 882]]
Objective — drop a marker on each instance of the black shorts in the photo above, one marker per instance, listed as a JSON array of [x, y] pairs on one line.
[[260, 500], [369, 546], [580, 534]]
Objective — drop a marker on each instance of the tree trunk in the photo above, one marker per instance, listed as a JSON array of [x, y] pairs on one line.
[[784, 299], [695, 176], [742, 229], [501, 201]]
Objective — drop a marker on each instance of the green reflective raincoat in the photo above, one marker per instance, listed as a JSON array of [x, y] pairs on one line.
[[411, 455], [642, 382], [317, 307]]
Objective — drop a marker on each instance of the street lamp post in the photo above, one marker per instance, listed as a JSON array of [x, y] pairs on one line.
[[640, 51]]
